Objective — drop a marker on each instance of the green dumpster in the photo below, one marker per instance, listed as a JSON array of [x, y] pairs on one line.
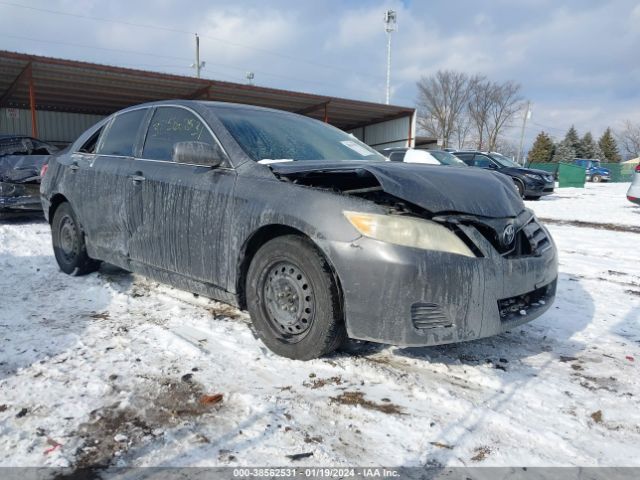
[[570, 175]]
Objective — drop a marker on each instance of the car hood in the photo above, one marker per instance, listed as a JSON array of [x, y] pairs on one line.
[[21, 168], [435, 188]]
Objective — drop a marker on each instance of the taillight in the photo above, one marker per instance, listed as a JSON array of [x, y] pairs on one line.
[[43, 170], [638, 168]]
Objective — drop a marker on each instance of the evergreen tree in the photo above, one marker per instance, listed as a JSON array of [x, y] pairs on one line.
[[609, 147], [573, 140], [587, 146], [542, 149], [598, 154], [564, 152]]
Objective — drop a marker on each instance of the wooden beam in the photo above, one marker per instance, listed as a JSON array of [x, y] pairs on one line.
[[199, 93], [32, 105], [22, 76], [313, 108]]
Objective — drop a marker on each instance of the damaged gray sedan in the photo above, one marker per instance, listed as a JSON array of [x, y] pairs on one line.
[[312, 231]]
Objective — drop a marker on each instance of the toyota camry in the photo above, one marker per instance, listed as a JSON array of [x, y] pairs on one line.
[[313, 232]]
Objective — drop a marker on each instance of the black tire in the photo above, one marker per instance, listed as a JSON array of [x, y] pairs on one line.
[[68, 243], [293, 299], [519, 186], [596, 178], [533, 197]]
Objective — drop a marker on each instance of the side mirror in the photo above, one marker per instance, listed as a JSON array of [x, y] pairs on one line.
[[198, 153]]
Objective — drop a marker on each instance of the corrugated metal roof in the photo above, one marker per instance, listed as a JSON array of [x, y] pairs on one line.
[[82, 87]]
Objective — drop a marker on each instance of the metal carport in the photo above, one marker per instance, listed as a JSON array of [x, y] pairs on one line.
[[41, 94]]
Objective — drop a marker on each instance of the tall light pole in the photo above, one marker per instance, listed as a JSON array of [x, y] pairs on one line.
[[390, 20], [198, 65], [527, 115]]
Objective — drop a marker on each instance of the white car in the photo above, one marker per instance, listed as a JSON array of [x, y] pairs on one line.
[[431, 157], [633, 194]]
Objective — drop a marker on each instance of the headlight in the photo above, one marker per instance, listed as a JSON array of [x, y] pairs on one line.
[[408, 231], [533, 176]]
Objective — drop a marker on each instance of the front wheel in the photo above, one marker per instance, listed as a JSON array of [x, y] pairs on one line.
[[68, 243], [293, 299], [519, 186], [596, 179]]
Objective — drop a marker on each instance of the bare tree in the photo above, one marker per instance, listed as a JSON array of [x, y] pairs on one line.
[[491, 109], [629, 138], [479, 108], [442, 101], [505, 103]]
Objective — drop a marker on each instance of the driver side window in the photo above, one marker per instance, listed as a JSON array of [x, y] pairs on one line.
[[169, 126]]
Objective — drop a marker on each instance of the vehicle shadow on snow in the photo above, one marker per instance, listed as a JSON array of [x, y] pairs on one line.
[[44, 312], [551, 335]]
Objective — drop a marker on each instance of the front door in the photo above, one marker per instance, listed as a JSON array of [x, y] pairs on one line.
[[182, 208]]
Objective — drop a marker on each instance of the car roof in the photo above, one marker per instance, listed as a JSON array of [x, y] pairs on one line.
[[198, 104]]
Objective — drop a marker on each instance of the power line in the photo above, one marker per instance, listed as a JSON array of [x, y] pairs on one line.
[[175, 30]]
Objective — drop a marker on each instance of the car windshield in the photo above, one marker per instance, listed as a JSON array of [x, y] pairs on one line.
[[267, 135], [504, 161], [447, 158]]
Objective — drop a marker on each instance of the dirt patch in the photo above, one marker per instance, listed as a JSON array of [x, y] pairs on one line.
[[357, 398], [633, 292], [321, 382], [480, 454], [112, 430], [441, 445], [600, 226], [597, 416]]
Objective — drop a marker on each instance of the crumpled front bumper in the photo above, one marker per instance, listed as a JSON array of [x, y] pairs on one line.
[[22, 203], [411, 297]]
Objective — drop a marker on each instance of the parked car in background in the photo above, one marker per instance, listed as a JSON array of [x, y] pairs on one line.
[[593, 170], [531, 183], [413, 155], [315, 233], [633, 194], [21, 160]]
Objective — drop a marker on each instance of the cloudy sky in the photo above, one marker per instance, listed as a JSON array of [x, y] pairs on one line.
[[577, 61]]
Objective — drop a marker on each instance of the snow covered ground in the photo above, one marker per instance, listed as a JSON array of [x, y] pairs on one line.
[[113, 368], [597, 203]]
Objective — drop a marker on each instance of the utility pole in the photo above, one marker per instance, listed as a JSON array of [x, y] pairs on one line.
[[198, 65], [390, 20], [527, 115]]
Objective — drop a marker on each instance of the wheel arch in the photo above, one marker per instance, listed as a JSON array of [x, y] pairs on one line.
[[57, 200], [261, 236]]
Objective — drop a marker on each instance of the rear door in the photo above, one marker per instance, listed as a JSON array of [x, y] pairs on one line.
[[102, 168], [182, 209]]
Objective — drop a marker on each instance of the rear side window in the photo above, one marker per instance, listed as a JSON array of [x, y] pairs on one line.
[[121, 136], [466, 157], [169, 126]]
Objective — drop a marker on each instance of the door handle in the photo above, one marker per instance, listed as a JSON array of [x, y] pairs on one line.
[[74, 166], [136, 178]]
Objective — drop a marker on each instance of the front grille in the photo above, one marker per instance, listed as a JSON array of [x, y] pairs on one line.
[[530, 240], [425, 316], [538, 239], [520, 305]]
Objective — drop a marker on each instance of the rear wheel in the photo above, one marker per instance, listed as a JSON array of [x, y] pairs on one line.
[[293, 299], [596, 178], [68, 243]]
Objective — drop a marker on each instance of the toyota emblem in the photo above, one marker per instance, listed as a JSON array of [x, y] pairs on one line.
[[508, 235]]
